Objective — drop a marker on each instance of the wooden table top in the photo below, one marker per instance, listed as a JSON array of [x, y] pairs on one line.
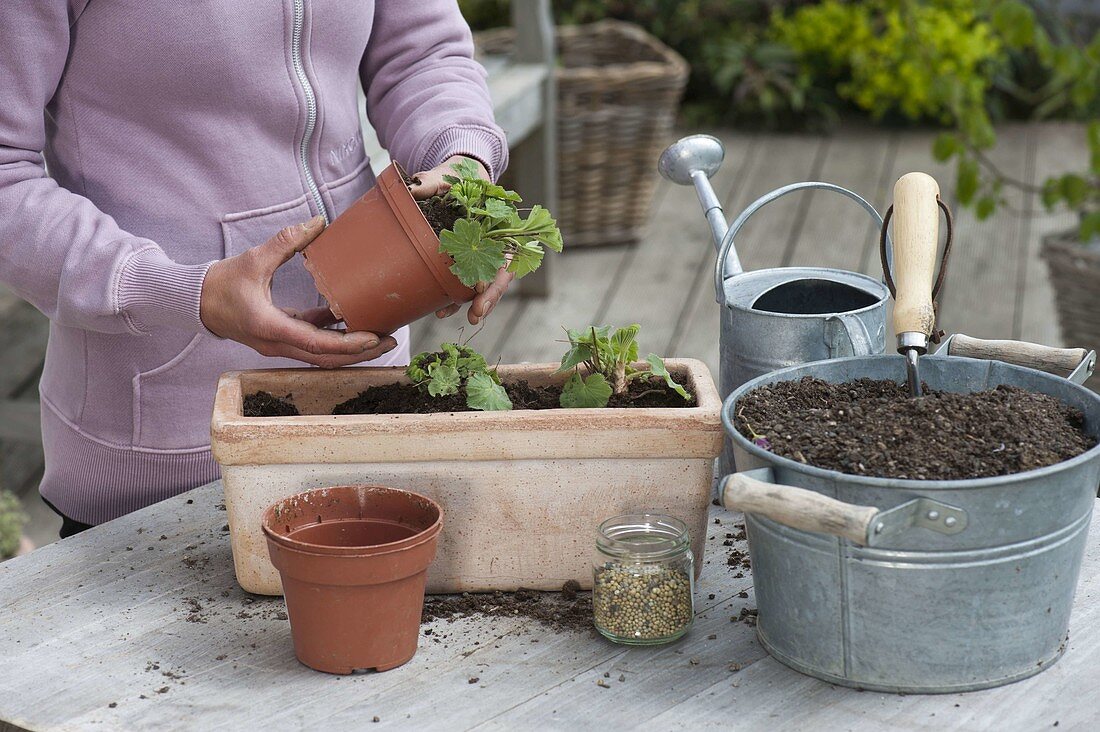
[[139, 624]]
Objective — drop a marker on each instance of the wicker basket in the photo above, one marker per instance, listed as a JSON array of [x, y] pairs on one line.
[[1075, 277], [619, 90]]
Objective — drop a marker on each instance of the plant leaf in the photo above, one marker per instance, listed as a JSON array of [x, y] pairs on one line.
[[470, 362], [416, 370], [1074, 189], [483, 393], [466, 169], [579, 393], [944, 147], [575, 356], [1094, 143], [1090, 226], [526, 258], [967, 181], [657, 368], [1052, 193], [985, 207], [624, 344], [542, 226], [492, 190], [495, 209], [444, 379], [476, 257]]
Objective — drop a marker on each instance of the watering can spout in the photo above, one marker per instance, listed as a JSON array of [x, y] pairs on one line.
[[692, 160]]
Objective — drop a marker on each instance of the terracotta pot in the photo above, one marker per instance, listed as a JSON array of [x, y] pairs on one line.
[[379, 265], [353, 561], [572, 468]]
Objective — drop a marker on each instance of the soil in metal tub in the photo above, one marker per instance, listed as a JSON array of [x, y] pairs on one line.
[[874, 428]]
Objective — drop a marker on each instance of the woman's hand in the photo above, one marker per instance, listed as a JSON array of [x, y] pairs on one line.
[[488, 293], [236, 304]]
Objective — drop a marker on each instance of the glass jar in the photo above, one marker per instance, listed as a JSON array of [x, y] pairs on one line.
[[643, 579]]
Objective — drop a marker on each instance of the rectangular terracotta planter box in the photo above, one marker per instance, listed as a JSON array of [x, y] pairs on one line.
[[522, 491]]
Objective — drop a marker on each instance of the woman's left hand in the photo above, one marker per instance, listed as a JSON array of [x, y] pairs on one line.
[[488, 293]]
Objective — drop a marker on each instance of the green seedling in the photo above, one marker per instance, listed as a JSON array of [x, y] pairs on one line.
[[454, 368], [609, 356], [493, 234]]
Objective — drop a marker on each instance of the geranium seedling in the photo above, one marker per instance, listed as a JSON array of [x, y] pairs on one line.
[[493, 234], [454, 368], [610, 356]]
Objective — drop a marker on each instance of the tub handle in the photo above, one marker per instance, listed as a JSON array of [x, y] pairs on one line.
[[755, 491], [1075, 364]]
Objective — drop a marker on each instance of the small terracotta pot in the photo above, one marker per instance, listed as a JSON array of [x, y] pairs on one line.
[[353, 561], [379, 265]]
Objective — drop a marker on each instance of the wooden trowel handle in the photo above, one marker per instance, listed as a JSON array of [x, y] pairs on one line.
[[916, 237], [1060, 361]]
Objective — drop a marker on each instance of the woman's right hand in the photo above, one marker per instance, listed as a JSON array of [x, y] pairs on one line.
[[236, 304]]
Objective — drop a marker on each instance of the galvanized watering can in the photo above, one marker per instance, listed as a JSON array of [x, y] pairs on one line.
[[783, 316], [919, 585]]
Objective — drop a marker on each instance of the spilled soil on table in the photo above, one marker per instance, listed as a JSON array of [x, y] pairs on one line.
[[874, 428], [567, 611]]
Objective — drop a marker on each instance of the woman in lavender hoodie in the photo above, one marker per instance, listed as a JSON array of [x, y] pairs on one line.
[[186, 145]]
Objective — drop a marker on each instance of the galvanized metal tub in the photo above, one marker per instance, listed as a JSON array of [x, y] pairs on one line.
[[958, 585]]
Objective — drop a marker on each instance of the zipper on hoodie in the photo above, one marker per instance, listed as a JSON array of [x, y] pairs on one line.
[[311, 108]]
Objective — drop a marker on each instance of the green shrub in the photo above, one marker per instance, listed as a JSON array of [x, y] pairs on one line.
[[12, 520], [926, 60], [738, 73], [960, 64], [1063, 76]]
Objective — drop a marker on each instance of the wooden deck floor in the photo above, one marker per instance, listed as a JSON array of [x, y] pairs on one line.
[[997, 287]]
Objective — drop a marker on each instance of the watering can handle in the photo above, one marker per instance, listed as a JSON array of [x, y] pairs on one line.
[[1076, 364], [756, 492], [728, 261], [847, 335]]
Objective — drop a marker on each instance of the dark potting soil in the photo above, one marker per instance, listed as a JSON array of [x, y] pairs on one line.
[[868, 427], [569, 610], [409, 399], [262, 404], [441, 213]]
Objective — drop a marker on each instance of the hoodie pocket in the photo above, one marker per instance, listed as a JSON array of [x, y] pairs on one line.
[[174, 400], [342, 192], [292, 285]]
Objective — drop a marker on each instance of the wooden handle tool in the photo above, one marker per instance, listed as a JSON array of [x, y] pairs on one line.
[[798, 508], [916, 237], [1059, 361]]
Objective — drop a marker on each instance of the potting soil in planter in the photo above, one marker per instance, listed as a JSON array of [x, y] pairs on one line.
[[263, 404], [400, 398], [409, 399], [868, 427], [440, 213]]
